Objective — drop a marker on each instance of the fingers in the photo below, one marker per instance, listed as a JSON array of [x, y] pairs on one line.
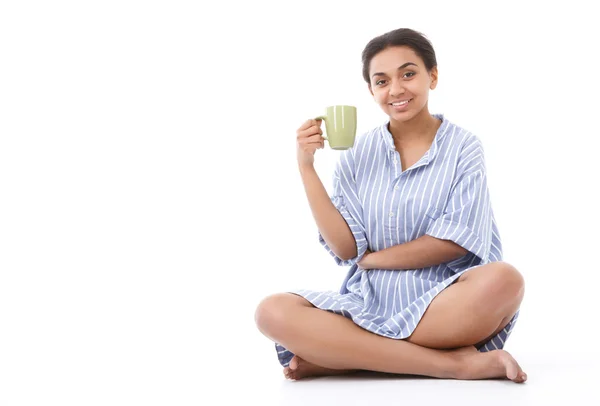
[[316, 138], [313, 140], [310, 135], [310, 131], [309, 123], [309, 127]]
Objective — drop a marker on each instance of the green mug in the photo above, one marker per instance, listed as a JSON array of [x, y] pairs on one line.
[[340, 125]]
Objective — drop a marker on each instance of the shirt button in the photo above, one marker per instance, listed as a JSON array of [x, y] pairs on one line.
[[396, 187], [391, 214]]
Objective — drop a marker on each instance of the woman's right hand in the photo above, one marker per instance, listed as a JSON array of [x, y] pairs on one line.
[[308, 140]]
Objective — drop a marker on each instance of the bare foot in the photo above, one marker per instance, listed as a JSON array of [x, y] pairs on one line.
[[485, 365], [300, 368]]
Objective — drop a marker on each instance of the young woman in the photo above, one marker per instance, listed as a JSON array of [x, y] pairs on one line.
[[427, 292]]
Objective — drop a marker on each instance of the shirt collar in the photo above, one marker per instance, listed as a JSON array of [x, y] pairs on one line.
[[433, 150]]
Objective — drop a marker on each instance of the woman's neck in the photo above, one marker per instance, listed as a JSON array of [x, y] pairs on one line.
[[416, 130]]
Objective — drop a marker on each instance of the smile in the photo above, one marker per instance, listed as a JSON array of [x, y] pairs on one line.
[[401, 105]]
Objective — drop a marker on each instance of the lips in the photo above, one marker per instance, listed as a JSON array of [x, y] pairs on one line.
[[400, 101], [400, 104]]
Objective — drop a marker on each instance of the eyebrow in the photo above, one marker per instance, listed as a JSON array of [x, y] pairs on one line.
[[400, 68]]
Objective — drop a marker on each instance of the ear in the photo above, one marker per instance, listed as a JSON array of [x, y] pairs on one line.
[[434, 77]]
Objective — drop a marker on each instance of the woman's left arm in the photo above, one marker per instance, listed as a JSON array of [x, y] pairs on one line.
[[465, 225], [423, 252]]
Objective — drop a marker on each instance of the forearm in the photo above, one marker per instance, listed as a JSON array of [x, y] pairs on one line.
[[423, 252], [331, 224]]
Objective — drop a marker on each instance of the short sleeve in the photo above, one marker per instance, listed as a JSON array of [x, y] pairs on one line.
[[467, 217], [346, 201]]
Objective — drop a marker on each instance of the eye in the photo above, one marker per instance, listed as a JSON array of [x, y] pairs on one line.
[[379, 82], [411, 74]]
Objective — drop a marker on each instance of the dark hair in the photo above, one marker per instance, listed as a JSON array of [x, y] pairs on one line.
[[400, 37]]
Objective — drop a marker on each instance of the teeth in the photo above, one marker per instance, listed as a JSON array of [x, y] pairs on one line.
[[401, 103]]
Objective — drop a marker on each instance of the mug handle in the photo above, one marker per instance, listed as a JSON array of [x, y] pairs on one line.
[[322, 118]]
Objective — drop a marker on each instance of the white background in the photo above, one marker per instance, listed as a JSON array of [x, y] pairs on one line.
[[150, 198]]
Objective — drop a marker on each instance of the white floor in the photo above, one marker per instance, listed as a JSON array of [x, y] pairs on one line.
[[562, 378], [169, 361]]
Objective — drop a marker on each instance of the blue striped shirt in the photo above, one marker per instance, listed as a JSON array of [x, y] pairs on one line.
[[444, 195]]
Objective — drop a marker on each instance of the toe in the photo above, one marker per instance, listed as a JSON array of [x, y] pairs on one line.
[[294, 362], [512, 371], [512, 368]]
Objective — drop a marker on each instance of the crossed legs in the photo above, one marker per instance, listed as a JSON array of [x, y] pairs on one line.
[[441, 346]]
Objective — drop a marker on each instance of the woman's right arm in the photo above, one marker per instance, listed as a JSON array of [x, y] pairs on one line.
[[331, 224]]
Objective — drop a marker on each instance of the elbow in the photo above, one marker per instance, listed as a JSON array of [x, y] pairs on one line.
[[343, 246], [346, 257], [347, 253]]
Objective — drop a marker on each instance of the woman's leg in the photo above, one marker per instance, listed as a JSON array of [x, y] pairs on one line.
[[335, 342], [472, 310]]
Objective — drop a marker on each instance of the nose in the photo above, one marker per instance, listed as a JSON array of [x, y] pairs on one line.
[[396, 88]]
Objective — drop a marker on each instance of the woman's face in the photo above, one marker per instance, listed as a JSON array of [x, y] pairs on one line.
[[398, 75]]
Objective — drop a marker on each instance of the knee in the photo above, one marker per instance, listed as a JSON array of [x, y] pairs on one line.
[[504, 283], [271, 314]]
